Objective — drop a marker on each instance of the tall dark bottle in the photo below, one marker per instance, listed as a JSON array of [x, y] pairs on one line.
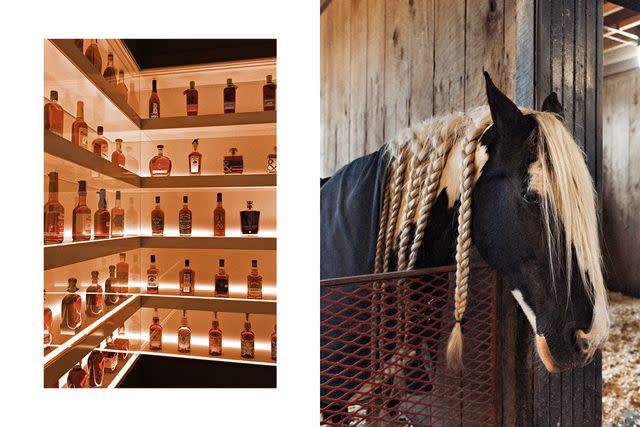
[[53, 213], [249, 220], [154, 101], [269, 95], [102, 218], [81, 222], [230, 97]]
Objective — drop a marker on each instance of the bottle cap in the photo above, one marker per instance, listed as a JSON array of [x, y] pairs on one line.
[[157, 200], [195, 142], [82, 187], [229, 82], [94, 275], [53, 95], [110, 56], [154, 83], [102, 203], [269, 78], [185, 199], [112, 268], [186, 263], [153, 258], [100, 130], [249, 204], [118, 140], [160, 146], [233, 151], [247, 325], [221, 262], [254, 263], [118, 195], [219, 197], [121, 73], [215, 324], [123, 255], [72, 282], [192, 85]]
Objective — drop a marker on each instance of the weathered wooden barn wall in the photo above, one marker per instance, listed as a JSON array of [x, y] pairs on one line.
[[387, 64], [621, 180]]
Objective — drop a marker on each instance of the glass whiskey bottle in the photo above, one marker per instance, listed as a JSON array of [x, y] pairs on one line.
[[121, 87], [218, 217], [77, 377], [94, 305], [101, 219], [187, 279], [274, 344], [247, 341], [254, 282], [159, 165], [79, 128], [117, 156], [195, 159], [111, 289], [122, 343], [100, 144], [117, 218], [71, 308], [110, 357], [230, 97], [269, 95], [53, 213], [110, 72], [185, 218], [192, 99], [122, 274], [154, 101], [249, 220], [157, 219], [53, 114], [153, 277], [48, 320], [81, 221], [221, 281], [155, 332], [272, 162], [215, 337], [184, 335], [95, 364], [93, 55], [232, 164]]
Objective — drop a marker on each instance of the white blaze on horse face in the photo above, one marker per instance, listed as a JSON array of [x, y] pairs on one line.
[[525, 307]]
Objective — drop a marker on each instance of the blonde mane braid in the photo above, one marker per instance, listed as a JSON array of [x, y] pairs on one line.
[[382, 227], [396, 190], [416, 176]]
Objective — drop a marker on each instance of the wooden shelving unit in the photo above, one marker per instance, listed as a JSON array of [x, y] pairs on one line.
[[231, 119], [210, 181], [245, 242], [227, 305], [74, 252]]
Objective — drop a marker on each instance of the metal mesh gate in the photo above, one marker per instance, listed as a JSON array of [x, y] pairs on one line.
[[383, 344]]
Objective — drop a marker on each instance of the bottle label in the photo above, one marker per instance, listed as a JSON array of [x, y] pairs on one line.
[[184, 340], [111, 361], [186, 282], [194, 162], [222, 286], [155, 337], [83, 137], [54, 225], [118, 221], [246, 347], [271, 163], [152, 281], [157, 223], [155, 110], [269, 102], [215, 343], [192, 108], [218, 223], [273, 348], [229, 105], [184, 221], [83, 224], [123, 281], [233, 164], [254, 287]]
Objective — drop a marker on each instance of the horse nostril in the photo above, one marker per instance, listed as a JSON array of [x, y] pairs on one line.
[[581, 343]]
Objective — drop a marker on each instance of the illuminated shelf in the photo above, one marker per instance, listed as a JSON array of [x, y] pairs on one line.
[[58, 255], [227, 242], [77, 58], [113, 379], [226, 305], [209, 181], [210, 120]]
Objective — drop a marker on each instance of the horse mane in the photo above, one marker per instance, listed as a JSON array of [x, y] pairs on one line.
[[417, 157]]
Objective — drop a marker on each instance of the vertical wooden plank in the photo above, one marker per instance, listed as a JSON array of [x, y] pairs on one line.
[[592, 79], [421, 60], [633, 283], [509, 34], [341, 73], [543, 51], [598, 89], [327, 145], [449, 56], [358, 81], [525, 56], [374, 132]]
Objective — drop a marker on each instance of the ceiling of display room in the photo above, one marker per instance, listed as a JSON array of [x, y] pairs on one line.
[[156, 53], [621, 32]]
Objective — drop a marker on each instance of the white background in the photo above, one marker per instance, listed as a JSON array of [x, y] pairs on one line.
[[24, 26]]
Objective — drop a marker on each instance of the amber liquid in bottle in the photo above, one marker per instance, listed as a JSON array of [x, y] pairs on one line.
[[153, 277], [77, 377], [109, 71], [269, 95], [95, 364], [117, 218], [154, 101], [187, 279], [215, 338], [81, 221], [249, 220], [219, 217], [48, 321], [155, 333], [53, 114], [100, 144], [221, 281], [185, 218], [94, 303], [122, 274], [192, 99], [71, 309], [121, 343], [157, 219], [274, 343], [79, 128], [184, 335], [254, 282], [110, 357], [117, 156], [160, 165], [122, 87], [230, 97], [93, 55], [101, 219], [195, 160], [247, 341], [111, 288], [53, 213]]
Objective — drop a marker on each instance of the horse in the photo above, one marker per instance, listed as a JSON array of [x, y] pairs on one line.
[[511, 180]]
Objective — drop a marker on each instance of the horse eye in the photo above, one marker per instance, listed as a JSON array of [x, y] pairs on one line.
[[531, 197]]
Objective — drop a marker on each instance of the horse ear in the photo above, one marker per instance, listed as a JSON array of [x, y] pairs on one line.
[[551, 104], [504, 112]]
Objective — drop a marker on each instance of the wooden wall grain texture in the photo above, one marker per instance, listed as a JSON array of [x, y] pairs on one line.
[[621, 176]]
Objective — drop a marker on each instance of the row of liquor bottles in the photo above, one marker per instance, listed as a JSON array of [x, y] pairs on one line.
[[191, 94], [106, 360], [159, 165], [112, 223]]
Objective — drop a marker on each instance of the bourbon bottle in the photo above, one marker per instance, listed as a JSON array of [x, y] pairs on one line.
[[122, 274], [157, 219], [274, 343], [100, 144], [77, 377], [153, 277], [154, 101], [109, 71], [101, 219], [272, 162], [53, 213], [187, 279], [94, 303], [48, 320], [93, 55], [122, 343], [192, 99], [111, 289], [269, 95], [155, 333], [230, 97], [215, 337], [79, 128], [121, 87], [117, 156], [247, 341], [95, 364], [71, 308], [218, 217], [110, 357], [184, 335], [249, 220], [254, 282], [232, 164], [195, 159], [160, 165], [184, 218], [81, 217], [221, 281], [53, 114], [117, 218]]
